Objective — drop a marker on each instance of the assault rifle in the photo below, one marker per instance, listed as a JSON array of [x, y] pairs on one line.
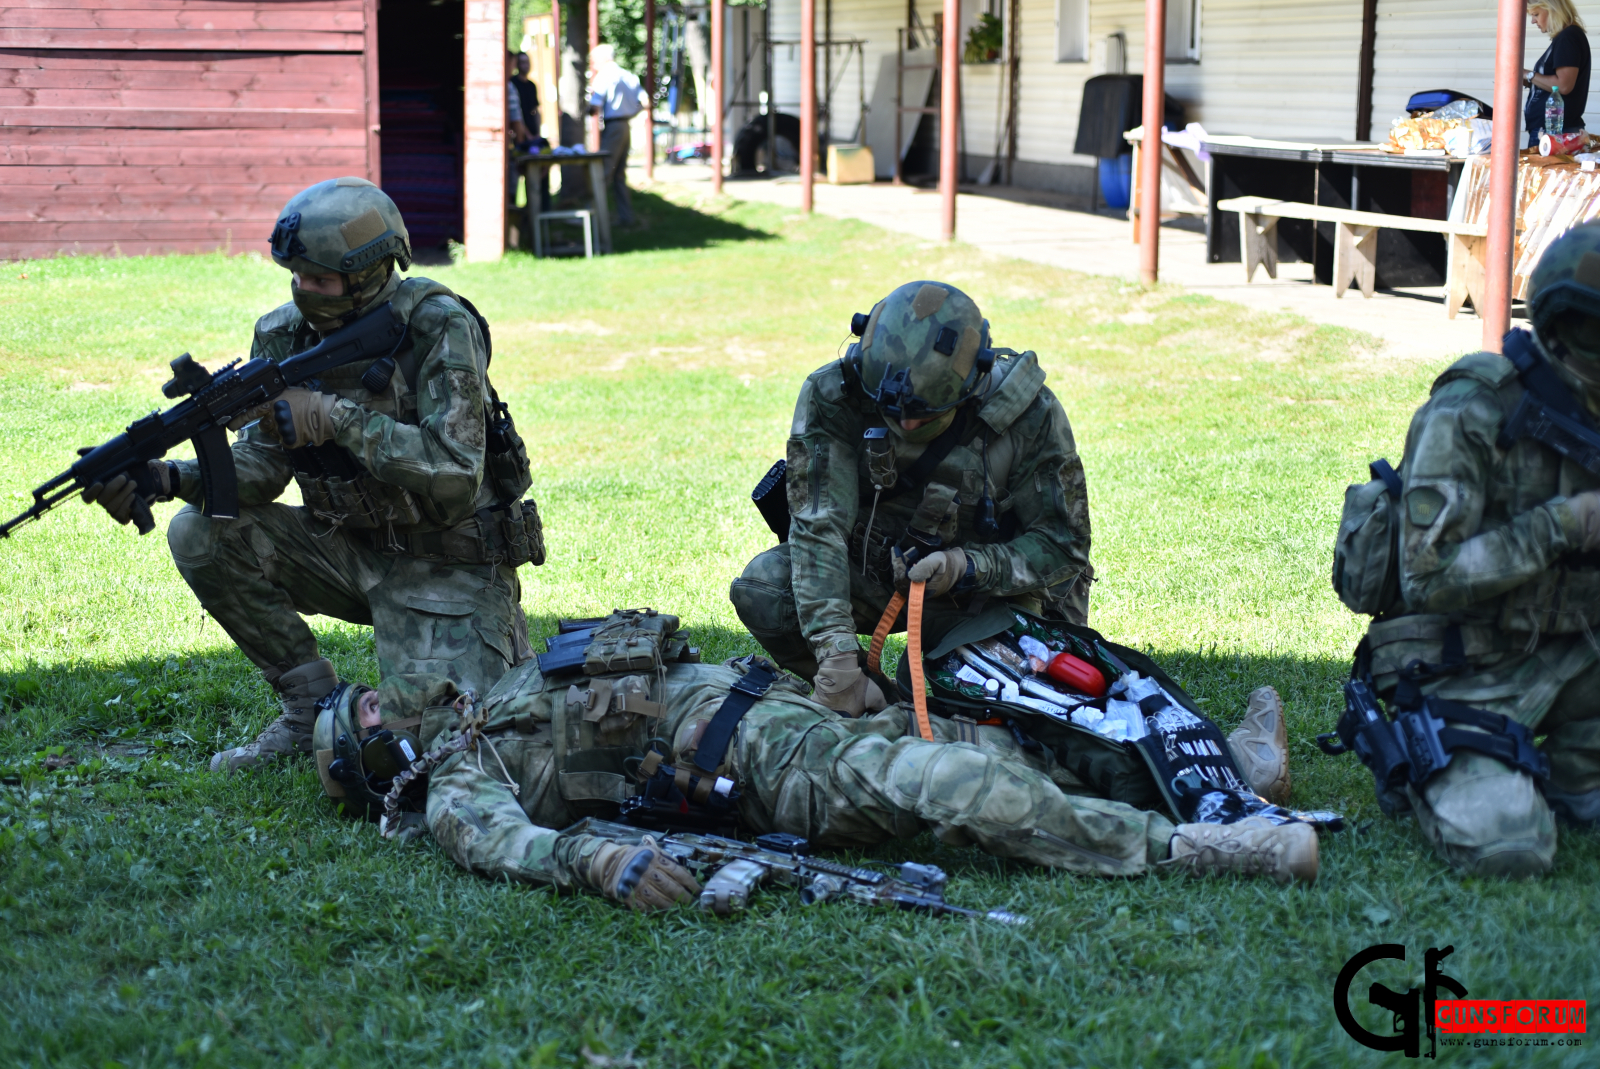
[[731, 870], [213, 401]]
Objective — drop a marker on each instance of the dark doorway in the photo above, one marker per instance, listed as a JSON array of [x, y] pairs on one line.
[[421, 71]]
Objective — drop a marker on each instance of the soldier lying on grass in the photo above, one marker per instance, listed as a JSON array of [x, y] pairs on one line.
[[537, 754]]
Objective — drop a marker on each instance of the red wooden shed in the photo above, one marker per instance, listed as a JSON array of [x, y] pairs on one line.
[[184, 125]]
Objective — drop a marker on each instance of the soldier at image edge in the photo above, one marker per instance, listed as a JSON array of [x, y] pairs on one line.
[[542, 754], [1485, 624], [410, 471]]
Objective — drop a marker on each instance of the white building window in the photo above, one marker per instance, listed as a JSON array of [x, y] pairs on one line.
[[1072, 31], [1183, 31]]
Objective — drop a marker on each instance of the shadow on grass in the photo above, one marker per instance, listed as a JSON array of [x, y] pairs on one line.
[[664, 225]]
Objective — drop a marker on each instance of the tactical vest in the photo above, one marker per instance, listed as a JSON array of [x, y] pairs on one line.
[[1563, 599], [336, 487], [898, 498], [603, 703]]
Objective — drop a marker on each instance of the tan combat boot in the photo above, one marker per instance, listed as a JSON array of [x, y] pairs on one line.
[[1260, 746], [1253, 847], [300, 689]]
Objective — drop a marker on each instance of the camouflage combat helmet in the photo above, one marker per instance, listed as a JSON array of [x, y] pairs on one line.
[[924, 350], [343, 225], [357, 765], [1564, 295]]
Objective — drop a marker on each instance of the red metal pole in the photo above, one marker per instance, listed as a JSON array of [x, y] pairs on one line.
[[1155, 94], [949, 104], [715, 103], [808, 101], [1502, 243], [594, 43], [650, 88]]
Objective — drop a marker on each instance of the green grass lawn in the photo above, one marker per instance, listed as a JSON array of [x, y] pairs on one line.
[[153, 914]]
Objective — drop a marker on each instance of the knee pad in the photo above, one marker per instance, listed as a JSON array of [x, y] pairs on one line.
[[1487, 819], [953, 783], [192, 538]]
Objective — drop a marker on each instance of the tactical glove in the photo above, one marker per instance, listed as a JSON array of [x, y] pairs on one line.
[[301, 417], [941, 570], [1585, 511], [840, 684], [117, 496], [641, 877]]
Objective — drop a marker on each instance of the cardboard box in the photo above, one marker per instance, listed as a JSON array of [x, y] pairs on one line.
[[849, 165]]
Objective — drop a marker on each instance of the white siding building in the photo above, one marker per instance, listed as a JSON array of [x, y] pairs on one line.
[[1279, 70]]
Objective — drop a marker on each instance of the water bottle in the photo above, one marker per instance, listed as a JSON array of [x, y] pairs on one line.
[[1555, 118]]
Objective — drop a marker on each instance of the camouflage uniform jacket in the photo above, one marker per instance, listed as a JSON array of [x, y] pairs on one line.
[[1034, 477], [410, 458], [1480, 546]]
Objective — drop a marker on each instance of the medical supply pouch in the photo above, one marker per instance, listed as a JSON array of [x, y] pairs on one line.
[[1142, 741]]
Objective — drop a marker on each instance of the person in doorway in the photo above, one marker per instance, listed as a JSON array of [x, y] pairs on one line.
[[527, 101], [1564, 68], [615, 96]]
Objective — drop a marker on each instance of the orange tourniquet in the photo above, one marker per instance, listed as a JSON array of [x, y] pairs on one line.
[[919, 690], [890, 615]]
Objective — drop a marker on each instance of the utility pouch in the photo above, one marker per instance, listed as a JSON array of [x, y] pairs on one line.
[[1366, 553], [634, 640], [358, 505], [518, 531], [771, 497], [505, 455]]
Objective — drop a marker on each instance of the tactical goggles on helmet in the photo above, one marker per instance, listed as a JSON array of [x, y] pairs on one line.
[[895, 396]]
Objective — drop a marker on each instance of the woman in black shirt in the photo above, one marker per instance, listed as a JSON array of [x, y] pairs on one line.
[[1564, 67]]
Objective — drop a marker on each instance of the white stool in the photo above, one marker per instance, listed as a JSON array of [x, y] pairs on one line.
[[541, 229]]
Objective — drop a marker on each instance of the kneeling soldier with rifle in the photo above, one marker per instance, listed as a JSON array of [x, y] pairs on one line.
[[372, 393], [613, 724]]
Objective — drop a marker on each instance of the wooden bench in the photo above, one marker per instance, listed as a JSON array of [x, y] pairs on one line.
[[1355, 245]]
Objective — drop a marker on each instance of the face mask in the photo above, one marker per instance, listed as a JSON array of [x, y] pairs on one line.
[[324, 312], [925, 433], [1578, 357]]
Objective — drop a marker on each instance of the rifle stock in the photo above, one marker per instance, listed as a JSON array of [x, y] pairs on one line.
[[213, 401]]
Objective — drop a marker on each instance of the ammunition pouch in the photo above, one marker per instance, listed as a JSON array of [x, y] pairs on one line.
[[511, 535], [346, 496]]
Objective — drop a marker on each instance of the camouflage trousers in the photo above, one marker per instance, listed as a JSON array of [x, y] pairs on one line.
[[258, 574], [806, 770], [764, 599], [1485, 817]]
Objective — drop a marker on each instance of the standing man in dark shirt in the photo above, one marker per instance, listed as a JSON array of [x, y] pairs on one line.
[[1564, 67]]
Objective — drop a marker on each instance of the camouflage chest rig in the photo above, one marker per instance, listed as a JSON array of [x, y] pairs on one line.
[[336, 487]]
